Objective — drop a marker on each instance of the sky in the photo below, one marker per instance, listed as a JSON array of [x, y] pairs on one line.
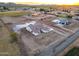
[[60, 2]]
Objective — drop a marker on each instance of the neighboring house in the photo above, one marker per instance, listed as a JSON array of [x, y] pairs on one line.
[[76, 18], [20, 9], [76, 13], [61, 22]]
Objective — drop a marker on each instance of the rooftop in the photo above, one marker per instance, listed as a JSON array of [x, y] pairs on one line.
[[34, 27]]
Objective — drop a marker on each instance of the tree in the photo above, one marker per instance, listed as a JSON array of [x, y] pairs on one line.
[[42, 10], [6, 8]]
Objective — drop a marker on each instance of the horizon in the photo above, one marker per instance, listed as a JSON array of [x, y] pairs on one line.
[[37, 3], [45, 3]]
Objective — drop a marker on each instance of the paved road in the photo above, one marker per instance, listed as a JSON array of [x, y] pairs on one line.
[[58, 47]]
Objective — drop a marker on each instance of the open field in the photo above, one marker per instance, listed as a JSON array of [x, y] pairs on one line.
[[14, 13]]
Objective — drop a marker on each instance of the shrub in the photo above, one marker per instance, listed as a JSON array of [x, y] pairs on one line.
[[69, 16], [73, 52], [13, 35]]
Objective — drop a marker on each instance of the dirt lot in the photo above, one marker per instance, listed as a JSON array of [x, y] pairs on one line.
[[6, 47]]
